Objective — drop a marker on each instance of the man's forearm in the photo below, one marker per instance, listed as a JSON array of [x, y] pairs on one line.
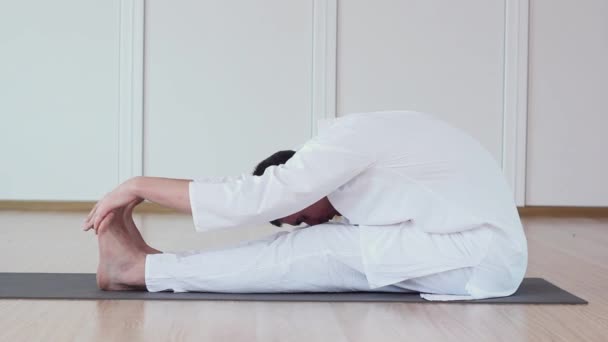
[[167, 192]]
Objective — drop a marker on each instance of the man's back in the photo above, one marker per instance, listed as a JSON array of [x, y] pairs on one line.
[[425, 170]]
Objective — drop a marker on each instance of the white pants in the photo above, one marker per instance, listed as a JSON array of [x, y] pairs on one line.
[[322, 258]]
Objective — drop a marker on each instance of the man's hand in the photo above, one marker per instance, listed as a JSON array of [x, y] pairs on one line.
[[122, 196], [170, 193]]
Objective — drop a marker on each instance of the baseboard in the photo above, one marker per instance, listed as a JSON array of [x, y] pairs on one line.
[[145, 207], [564, 211], [148, 207]]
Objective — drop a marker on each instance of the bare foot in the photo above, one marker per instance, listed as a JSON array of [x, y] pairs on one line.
[[121, 261], [128, 222]]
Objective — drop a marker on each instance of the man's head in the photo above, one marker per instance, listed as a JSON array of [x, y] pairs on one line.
[[317, 213]]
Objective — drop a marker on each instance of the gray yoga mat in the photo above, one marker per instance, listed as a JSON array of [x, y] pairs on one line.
[[84, 286]]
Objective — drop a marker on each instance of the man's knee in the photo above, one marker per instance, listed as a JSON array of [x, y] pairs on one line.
[[330, 237]]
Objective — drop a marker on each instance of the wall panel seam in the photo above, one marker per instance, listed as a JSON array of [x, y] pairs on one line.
[[325, 16], [131, 59], [515, 90]]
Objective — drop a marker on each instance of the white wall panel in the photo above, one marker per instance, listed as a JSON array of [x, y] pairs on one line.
[[227, 83], [58, 99], [568, 103], [443, 57]]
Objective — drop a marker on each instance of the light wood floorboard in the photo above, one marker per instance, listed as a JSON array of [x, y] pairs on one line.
[[570, 252]]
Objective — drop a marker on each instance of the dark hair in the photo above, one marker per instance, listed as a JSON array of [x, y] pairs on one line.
[[278, 158]]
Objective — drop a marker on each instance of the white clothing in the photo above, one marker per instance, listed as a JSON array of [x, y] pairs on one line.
[[322, 258], [381, 170]]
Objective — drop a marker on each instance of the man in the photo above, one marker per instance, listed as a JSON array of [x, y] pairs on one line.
[[423, 208]]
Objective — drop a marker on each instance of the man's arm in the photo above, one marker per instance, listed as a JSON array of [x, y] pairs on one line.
[[168, 192], [319, 167], [171, 193]]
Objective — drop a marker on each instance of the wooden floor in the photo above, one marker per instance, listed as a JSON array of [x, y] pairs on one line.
[[570, 252]]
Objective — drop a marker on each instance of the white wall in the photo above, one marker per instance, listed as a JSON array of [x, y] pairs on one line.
[[568, 103], [443, 57], [58, 99], [224, 84]]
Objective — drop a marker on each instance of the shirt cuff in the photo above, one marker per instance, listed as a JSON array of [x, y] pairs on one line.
[[193, 206]]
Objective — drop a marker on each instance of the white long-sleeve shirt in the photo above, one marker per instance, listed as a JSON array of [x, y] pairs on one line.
[[377, 169]]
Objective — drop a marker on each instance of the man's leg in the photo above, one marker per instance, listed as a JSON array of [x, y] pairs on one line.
[[323, 258]]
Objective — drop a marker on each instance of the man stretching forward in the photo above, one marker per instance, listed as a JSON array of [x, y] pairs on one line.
[[396, 201]]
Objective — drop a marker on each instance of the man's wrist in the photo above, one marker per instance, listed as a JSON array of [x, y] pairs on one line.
[[133, 186]]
